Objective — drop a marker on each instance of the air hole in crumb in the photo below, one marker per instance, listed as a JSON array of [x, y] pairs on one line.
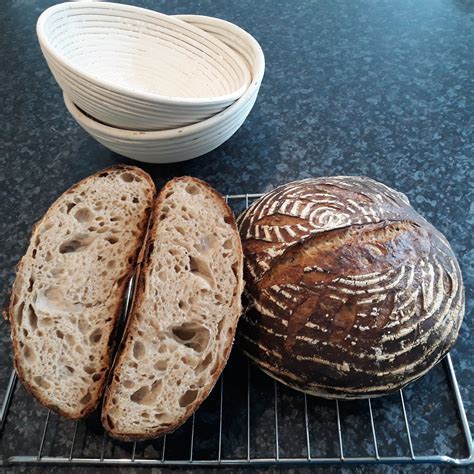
[[228, 244], [69, 206], [59, 334], [18, 314], [88, 369], [128, 383], [112, 240], [74, 245], [204, 364], [228, 220], [192, 189], [38, 380], [187, 398], [32, 318], [165, 209], [69, 368], [83, 215], [215, 368], [187, 361], [27, 352], [135, 200], [160, 365], [162, 349], [127, 177], [85, 399], [95, 336], [147, 395], [138, 350], [220, 324], [192, 334], [235, 270], [96, 377], [58, 271], [103, 175], [200, 267], [45, 322], [110, 422]]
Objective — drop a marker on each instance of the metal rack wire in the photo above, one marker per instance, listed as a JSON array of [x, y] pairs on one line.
[[247, 380]]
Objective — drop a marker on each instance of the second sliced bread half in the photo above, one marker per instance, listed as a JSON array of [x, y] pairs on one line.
[[69, 287], [184, 317]]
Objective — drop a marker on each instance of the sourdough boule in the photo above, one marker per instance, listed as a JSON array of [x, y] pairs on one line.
[[352, 293]]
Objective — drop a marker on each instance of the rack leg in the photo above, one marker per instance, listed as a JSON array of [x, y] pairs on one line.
[[8, 398]]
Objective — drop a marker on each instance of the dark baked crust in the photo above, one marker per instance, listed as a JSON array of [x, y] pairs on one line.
[[139, 296], [131, 261], [353, 293]]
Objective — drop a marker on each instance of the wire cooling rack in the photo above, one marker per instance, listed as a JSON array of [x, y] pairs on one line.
[[249, 419]]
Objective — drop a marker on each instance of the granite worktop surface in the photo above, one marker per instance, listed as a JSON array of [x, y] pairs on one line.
[[382, 89]]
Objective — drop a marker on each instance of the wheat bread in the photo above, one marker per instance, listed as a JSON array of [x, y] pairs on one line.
[[352, 293], [184, 317], [70, 284]]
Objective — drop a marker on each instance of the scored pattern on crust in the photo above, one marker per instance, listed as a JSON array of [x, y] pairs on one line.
[[354, 294]]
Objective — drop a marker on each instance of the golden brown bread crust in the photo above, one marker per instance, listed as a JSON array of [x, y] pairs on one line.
[[139, 296], [353, 294], [131, 259]]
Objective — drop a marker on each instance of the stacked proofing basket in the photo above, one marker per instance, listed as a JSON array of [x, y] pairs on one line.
[[235, 81]]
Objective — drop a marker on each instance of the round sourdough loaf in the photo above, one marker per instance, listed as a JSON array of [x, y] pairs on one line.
[[352, 294]]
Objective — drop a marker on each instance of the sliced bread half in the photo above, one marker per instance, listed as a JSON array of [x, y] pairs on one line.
[[69, 287], [183, 321]]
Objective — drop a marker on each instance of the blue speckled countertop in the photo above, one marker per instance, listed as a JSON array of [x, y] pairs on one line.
[[378, 88]]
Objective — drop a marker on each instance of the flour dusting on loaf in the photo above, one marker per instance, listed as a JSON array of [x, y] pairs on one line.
[[352, 293]]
